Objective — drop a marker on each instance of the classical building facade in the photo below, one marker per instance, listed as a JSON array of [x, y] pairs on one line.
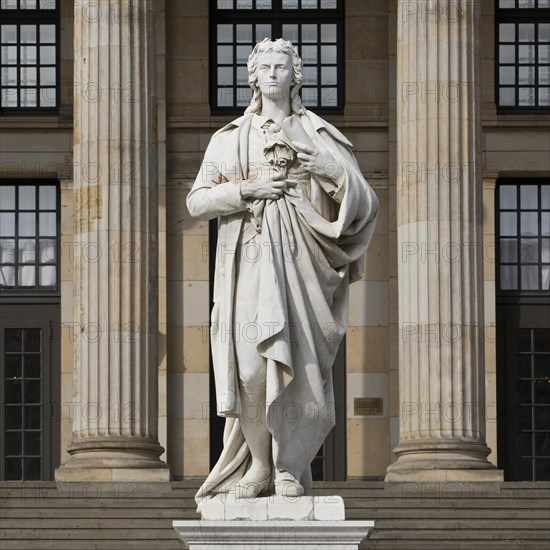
[[106, 109]]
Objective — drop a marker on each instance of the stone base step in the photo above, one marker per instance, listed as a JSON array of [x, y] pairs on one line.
[[108, 516]]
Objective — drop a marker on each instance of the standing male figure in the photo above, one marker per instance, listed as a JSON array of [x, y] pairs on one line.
[[296, 216]]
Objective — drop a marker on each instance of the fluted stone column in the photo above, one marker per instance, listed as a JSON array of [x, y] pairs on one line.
[[115, 416], [441, 378]]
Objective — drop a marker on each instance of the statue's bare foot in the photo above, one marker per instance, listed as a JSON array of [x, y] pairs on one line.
[[255, 482], [287, 485]]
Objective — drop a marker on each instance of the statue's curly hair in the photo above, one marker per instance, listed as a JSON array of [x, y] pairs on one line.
[[280, 46]]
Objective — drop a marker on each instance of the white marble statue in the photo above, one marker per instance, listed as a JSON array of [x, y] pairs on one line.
[[295, 218]]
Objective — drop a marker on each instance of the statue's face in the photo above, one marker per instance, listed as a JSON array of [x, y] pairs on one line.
[[275, 74]]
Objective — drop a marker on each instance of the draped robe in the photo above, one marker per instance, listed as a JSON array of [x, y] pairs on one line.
[[312, 243]]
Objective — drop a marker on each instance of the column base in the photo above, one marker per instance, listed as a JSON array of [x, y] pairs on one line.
[[114, 459], [429, 460]]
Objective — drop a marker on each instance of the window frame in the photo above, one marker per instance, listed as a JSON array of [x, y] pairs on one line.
[[36, 17], [276, 16], [36, 291], [518, 15], [46, 315]]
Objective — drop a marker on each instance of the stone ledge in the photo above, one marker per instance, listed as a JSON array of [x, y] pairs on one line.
[[275, 535], [274, 508]]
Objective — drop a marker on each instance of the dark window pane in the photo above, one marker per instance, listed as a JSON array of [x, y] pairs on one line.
[[542, 366], [13, 366], [13, 339], [545, 218], [542, 392], [32, 366], [32, 339], [545, 196], [542, 418], [14, 444], [542, 469], [523, 362], [32, 417], [508, 277], [32, 469], [525, 469], [542, 444], [13, 391], [32, 443], [523, 389], [32, 391], [542, 339], [530, 278], [524, 444], [524, 418], [14, 418], [509, 250], [529, 251], [14, 471]]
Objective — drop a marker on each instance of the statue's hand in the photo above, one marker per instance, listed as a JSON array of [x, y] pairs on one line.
[[318, 161], [266, 187]]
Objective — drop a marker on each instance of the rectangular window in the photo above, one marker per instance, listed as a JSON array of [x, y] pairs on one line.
[[29, 237], [522, 52], [29, 390], [29, 56], [523, 230], [315, 27]]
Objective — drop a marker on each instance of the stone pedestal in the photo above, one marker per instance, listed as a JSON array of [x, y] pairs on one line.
[[439, 195], [115, 414], [277, 523]]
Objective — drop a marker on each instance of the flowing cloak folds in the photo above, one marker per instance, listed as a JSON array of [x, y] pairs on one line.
[[312, 247]]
